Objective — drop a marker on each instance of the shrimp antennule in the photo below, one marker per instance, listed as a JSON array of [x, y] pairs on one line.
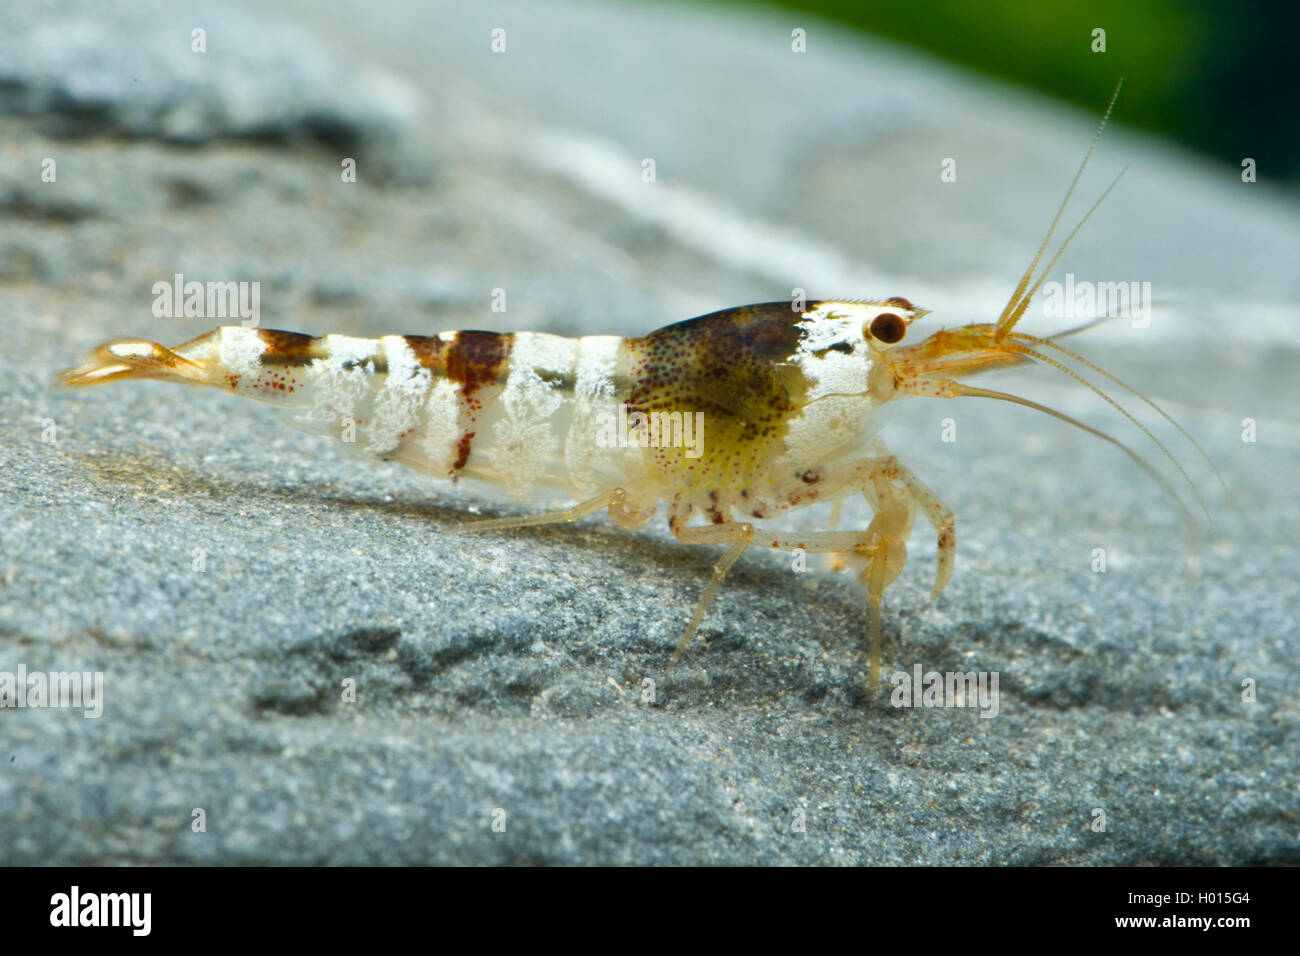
[[1016, 305]]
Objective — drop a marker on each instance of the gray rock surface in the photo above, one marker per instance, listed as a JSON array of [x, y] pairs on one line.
[[508, 672]]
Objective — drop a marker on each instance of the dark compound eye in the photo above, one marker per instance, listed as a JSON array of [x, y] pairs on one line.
[[888, 327]]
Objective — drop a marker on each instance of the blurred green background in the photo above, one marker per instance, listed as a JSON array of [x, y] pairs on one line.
[[1215, 75]]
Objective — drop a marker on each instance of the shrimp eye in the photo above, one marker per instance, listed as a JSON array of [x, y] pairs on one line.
[[888, 327]]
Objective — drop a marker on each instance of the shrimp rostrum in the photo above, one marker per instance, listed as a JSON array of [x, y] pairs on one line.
[[729, 418]]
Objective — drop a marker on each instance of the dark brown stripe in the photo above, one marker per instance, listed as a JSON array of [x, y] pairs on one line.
[[288, 348], [479, 358], [462, 451], [430, 351], [472, 358]]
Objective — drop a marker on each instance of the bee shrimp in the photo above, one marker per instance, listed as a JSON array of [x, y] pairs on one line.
[[727, 419]]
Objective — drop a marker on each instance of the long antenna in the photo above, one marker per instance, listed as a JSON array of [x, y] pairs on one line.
[[960, 389]]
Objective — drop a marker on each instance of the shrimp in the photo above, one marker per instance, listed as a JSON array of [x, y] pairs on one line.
[[735, 417]]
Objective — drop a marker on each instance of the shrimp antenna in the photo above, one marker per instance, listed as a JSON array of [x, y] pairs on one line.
[[959, 389], [1118, 407], [1018, 302], [1052, 344]]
